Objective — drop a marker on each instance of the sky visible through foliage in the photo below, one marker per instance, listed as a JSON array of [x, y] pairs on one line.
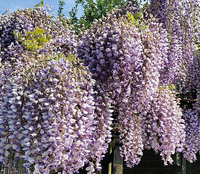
[[13, 5]]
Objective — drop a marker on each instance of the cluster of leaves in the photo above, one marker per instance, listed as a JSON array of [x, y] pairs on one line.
[[60, 9], [33, 40], [93, 10]]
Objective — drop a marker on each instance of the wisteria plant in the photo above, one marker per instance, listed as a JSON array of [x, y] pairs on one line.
[[60, 93], [51, 116]]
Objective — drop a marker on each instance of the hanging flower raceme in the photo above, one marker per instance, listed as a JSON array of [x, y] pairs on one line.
[[9, 107], [60, 104], [191, 115], [192, 135], [49, 117], [49, 112], [126, 56], [166, 127], [181, 21]]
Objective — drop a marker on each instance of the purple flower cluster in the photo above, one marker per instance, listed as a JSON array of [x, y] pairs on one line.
[[56, 113], [191, 115], [59, 116], [50, 113], [192, 135], [181, 19], [26, 20], [102, 135], [182, 29], [127, 59], [9, 107], [50, 118], [165, 126]]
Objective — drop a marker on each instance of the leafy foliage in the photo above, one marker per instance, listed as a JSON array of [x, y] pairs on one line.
[[33, 40], [60, 9], [93, 10], [40, 4]]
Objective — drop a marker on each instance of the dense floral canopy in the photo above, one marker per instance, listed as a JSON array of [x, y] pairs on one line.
[[60, 93]]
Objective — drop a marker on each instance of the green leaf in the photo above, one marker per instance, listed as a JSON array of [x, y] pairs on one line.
[[29, 40], [139, 15], [172, 87], [33, 40], [39, 31], [42, 3], [130, 17], [16, 33], [30, 46], [30, 32], [37, 5]]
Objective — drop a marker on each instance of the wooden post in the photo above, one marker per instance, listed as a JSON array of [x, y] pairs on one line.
[[117, 162], [183, 165]]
